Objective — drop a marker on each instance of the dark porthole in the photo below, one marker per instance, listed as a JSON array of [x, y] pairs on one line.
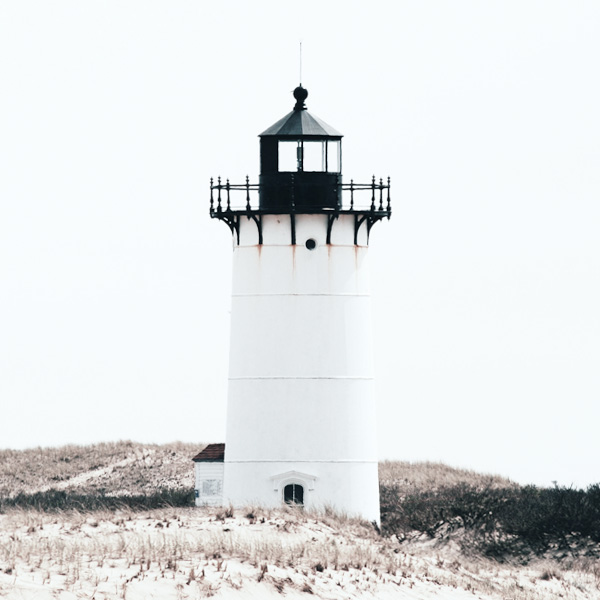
[[311, 244]]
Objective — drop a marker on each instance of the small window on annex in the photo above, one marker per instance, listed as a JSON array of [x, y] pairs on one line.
[[211, 487]]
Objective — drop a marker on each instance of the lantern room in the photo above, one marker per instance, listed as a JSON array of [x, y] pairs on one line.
[[300, 162]]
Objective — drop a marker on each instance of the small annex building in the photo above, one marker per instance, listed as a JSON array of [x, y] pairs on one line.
[[208, 465]]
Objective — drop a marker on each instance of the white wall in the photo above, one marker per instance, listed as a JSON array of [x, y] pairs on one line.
[[300, 375], [209, 483]]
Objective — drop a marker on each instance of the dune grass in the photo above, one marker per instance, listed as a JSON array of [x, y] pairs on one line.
[[116, 468]]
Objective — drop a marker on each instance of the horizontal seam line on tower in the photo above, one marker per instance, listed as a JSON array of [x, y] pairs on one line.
[[299, 294], [274, 460], [342, 377]]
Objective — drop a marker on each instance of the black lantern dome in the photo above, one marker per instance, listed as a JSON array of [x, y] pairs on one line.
[[300, 162]]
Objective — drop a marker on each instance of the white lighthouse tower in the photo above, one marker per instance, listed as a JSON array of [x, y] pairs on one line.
[[301, 423]]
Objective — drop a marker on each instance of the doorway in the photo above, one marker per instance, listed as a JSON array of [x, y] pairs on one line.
[[293, 493]]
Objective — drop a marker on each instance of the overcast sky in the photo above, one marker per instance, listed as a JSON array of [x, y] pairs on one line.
[[115, 284]]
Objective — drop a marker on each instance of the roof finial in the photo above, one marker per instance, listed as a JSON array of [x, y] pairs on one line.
[[300, 94]]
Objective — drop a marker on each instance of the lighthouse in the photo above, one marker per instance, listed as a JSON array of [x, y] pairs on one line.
[[301, 418]]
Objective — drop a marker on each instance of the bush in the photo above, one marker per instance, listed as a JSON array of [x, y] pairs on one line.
[[55, 500], [533, 518]]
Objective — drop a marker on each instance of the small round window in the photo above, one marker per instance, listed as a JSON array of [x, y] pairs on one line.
[[311, 244]]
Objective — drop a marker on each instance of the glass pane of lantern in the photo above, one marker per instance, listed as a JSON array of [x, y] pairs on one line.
[[314, 156], [333, 156], [288, 156]]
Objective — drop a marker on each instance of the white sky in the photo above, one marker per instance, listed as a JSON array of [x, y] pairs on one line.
[[115, 283]]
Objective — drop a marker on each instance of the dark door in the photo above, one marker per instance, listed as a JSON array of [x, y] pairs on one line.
[[293, 493]]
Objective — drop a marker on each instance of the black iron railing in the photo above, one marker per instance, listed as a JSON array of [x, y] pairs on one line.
[[355, 198]]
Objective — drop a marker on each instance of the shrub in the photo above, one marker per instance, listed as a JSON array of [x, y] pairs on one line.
[[57, 500], [529, 517]]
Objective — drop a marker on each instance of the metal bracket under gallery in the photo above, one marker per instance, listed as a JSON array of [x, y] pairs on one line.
[[230, 209]]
